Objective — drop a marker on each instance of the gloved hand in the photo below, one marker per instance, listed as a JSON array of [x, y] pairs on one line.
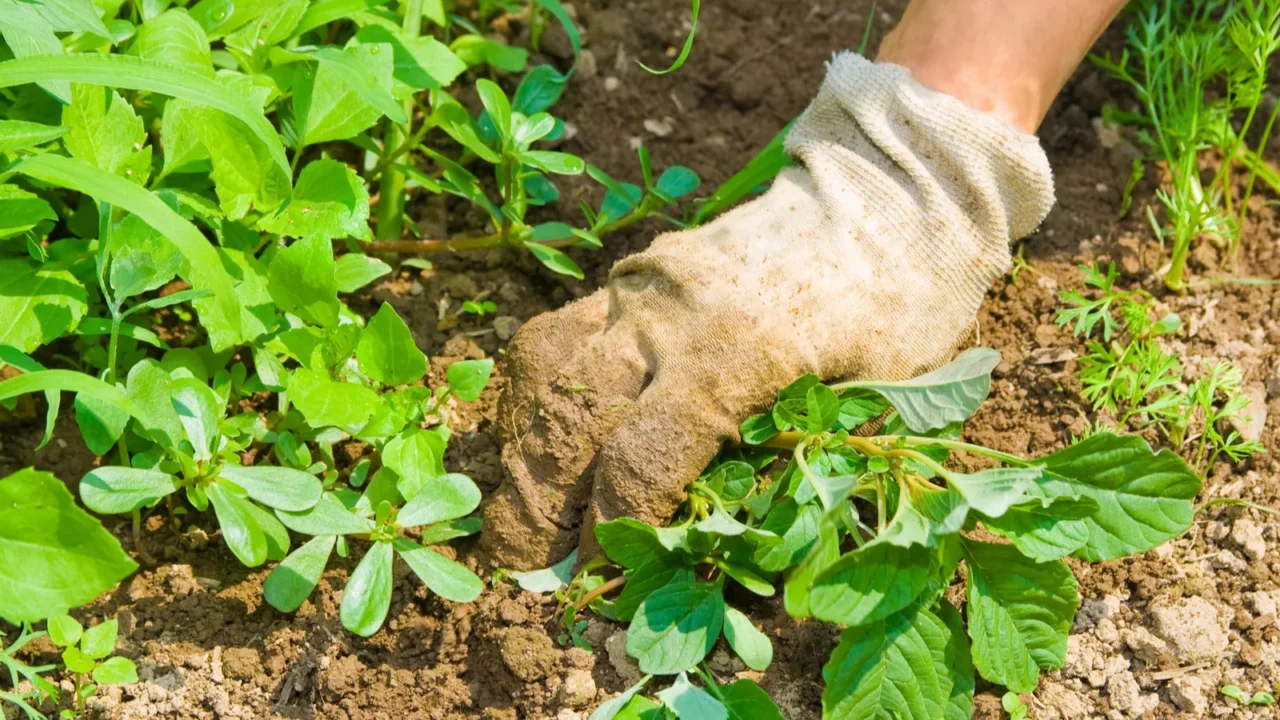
[[868, 260]]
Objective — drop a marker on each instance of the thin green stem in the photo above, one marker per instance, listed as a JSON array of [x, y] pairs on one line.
[[1237, 502]]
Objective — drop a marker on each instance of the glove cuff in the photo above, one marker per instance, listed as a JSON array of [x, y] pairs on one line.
[[954, 162]]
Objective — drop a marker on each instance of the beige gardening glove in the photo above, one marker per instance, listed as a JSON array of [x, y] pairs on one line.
[[867, 260]]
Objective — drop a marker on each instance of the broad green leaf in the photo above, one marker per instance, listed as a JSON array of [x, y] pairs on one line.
[[993, 492], [949, 394], [753, 646], [53, 555], [554, 259], [892, 669], [354, 270], [302, 281], [361, 77], [387, 352], [39, 303], [757, 429], [549, 579], [958, 662], [858, 407], [73, 16], [329, 201], [272, 26], [324, 401], [99, 641], [468, 378], [76, 662], [658, 572], [496, 105], [745, 700], [149, 387], [475, 49], [293, 580], [199, 409], [20, 134], [174, 38], [28, 34], [677, 181], [687, 702], [103, 130], [612, 708], [1144, 498], [872, 583], [421, 63], [20, 210], [675, 627], [747, 578], [239, 527], [1020, 613], [112, 490], [444, 577], [1046, 533], [64, 631], [116, 671], [276, 487], [631, 543], [797, 592], [273, 531], [446, 497], [367, 597], [142, 259], [327, 107], [323, 12], [327, 517], [539, 89], [822, 408], [798, 527], [206, 269], [416, 456], [133, 73], [719, 523]]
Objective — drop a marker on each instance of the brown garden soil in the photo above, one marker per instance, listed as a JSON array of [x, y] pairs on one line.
[[1156, 637]]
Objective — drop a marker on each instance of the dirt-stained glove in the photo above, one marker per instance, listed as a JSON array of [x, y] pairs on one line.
[[868, 260]]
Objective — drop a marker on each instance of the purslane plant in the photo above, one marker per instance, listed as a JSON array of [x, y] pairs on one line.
[[868, 531]]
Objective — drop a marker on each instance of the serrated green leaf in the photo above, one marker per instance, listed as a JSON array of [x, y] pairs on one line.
[[1020, 613], [753, 646], [267, 29], [353, 271], [294, 579], [367, 597], [468, 378], [174, 38], [442, 576], [323, 12], [329, 201], [387, 352], [302, 281], [20, 210], [675, 627], [112, 490], [28, 34], [949, 394], [324, 401], [1144, 498], [133, 73], [142, 259], [421, 63], [53, 555], [64, 630], [327, 107], [222, 314], [73, 16], [40, 303], [99, 641]]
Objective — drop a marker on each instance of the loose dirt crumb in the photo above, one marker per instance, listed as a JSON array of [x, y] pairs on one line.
[[1192, 627], [528, 653]]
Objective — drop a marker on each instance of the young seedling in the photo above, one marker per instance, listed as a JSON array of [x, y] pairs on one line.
[[479, 309], [37, 689], [87, 656], [1244, 698], [908, 519]]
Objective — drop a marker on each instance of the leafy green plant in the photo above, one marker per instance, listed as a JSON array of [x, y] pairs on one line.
[[1177, 53], [87, 656], [1013, 705], [868, 531], [479, 308], [1244, 698], [1130, 374]]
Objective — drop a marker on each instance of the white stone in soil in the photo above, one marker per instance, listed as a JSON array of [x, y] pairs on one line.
[[1193, 628]]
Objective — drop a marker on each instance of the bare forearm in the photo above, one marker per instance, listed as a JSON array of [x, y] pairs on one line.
[[1006, 57]]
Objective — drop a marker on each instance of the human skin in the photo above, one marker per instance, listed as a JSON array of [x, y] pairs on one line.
[[1009, 58]]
